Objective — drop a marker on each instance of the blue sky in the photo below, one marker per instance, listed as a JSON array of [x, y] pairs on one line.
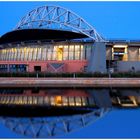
[[112, 20]]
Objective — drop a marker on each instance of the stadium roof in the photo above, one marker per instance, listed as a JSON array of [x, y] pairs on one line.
[[39, 34]]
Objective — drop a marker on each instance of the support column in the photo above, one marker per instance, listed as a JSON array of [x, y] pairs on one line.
[[97, 61], [101, 97]]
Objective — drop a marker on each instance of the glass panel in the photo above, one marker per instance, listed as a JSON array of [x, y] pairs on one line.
[[77, 48], [65, 53], [78, 101], [16, 100], [44, 51], [60, 53], [52, 101], [1, 100], [77, 55], [22, 54], [6, 55], [15, 53], [46, 100], [71, 101], [25, 54], [71, 52], [82, 52], [84, 101], [65, 101], [34, 53], [77, 52], [18, 53], [25, 100], [58, 100], [30, 55], [6, 99], [20, 100], [29, 99], [1, 55], [34, 100], [49, 53], [39, 54], [40, 100], [54, 55], [11, 100], [70, 55]]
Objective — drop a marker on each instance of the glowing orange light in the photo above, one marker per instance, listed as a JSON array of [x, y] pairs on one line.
[[58, 100]]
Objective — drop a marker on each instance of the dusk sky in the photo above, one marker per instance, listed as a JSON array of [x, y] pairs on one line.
[[110, 19], [116, 20]]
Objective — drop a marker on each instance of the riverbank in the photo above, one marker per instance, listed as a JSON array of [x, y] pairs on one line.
[[69, 82]]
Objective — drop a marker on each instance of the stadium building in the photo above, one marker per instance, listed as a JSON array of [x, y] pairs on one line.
[[54, 39]]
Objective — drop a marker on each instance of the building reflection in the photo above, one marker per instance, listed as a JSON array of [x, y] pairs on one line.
[[43, 113], [70, 97], [46, 97]]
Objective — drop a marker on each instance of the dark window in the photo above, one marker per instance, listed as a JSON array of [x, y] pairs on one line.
[[3, 68], [37, 68]]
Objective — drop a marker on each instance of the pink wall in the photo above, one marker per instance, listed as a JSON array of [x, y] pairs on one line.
[[70, 65], [68, 93]]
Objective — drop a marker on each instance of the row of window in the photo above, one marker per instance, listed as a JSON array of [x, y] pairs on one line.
[[11, 91], [46, 52], [47, 100], [13, 68]]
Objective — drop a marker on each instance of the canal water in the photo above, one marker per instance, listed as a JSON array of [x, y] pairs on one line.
[[46, 112]]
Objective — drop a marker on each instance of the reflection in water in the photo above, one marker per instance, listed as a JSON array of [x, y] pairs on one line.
[[42, 112], [43, 127]]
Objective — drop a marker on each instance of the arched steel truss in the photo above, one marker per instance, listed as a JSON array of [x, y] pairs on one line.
[[45, 127], [54, 17]]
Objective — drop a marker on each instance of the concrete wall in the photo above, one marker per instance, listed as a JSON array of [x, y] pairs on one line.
[[127, 65], [97, 61]]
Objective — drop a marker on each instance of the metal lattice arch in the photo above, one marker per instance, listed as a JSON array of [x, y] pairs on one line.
[[54, 17], [47, 127]]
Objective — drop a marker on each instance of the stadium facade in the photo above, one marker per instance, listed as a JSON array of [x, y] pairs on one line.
[[54, 39]]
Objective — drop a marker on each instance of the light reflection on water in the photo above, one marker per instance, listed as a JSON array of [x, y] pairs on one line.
[[52, 112]]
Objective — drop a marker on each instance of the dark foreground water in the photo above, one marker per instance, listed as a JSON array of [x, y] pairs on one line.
[[40, 112]]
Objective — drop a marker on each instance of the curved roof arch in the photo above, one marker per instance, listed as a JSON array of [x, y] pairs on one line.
[[46, 127], [55, 17]]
